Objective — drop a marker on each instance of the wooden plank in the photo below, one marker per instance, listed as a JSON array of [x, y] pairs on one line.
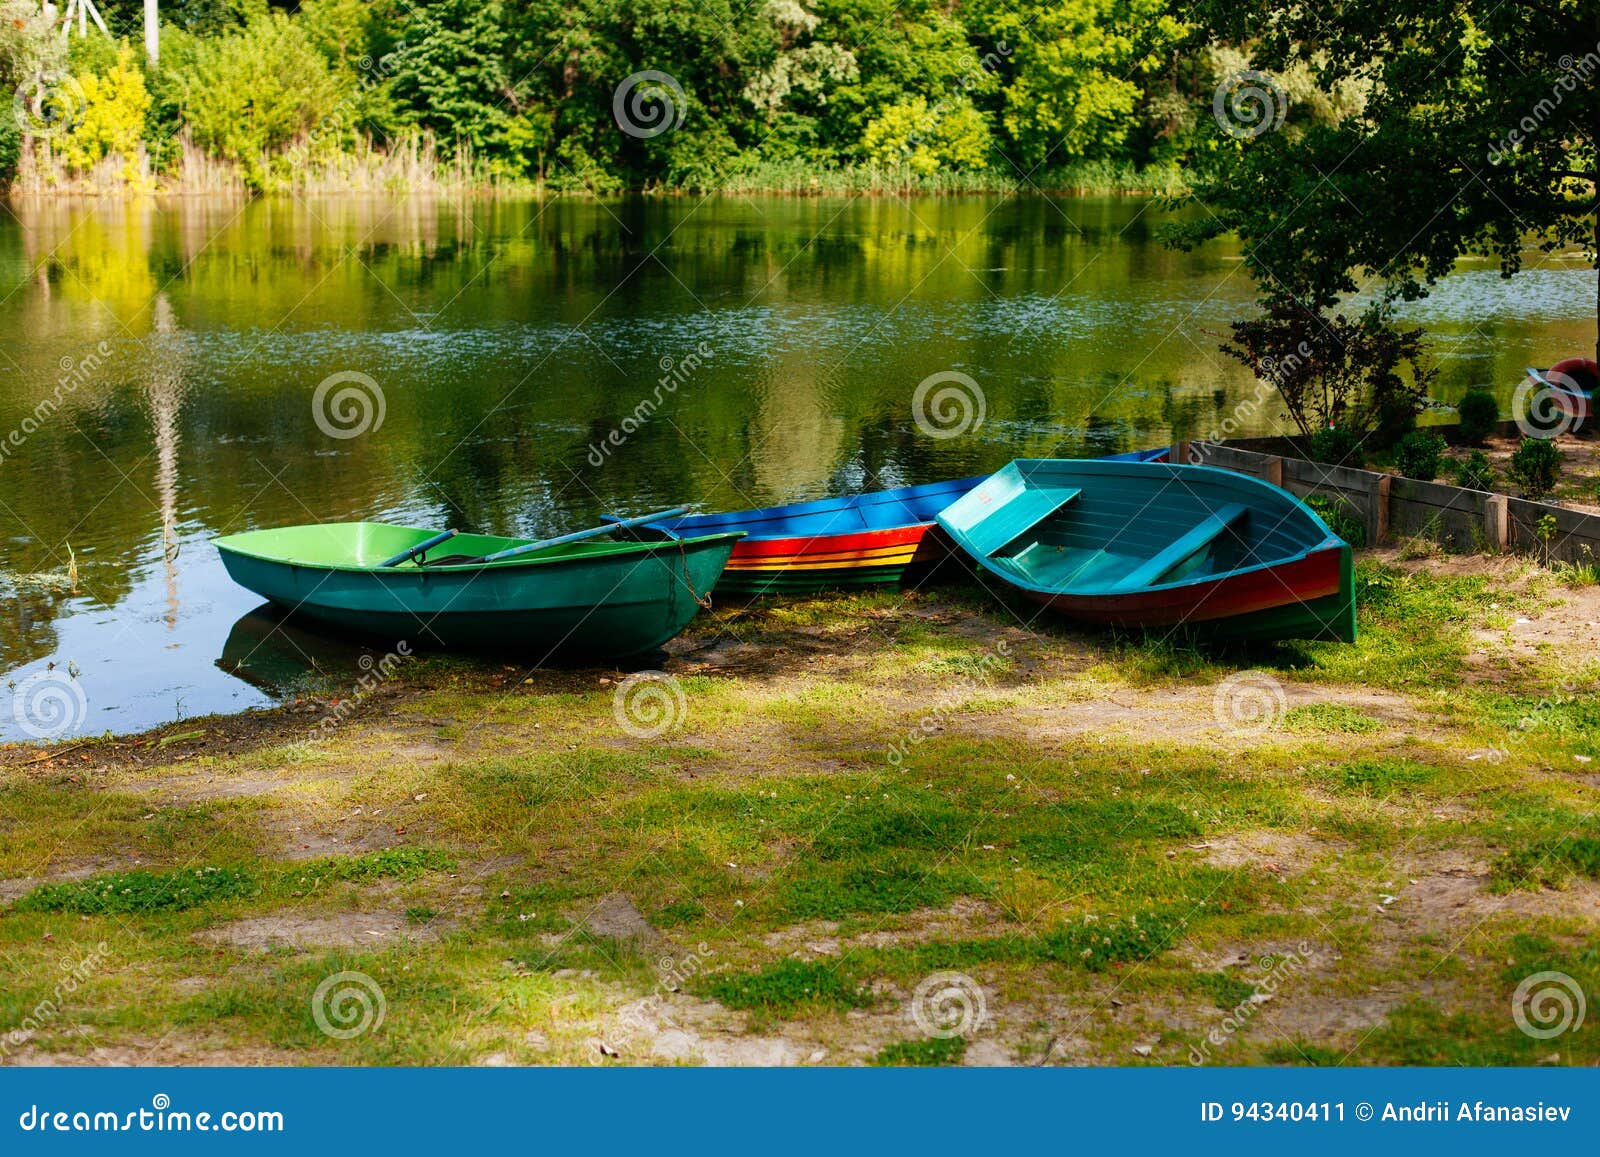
[[1445, 514], [1436, 494], [1378, 508], [1496, 523], [1576, 537], [1325, 477]]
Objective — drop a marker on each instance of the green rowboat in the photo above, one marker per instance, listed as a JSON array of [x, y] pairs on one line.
[[581, 599]]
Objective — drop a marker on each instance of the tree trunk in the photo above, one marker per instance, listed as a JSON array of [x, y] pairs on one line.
[[152, 32]]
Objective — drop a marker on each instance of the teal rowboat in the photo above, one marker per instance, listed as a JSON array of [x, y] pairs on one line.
[[578, 600], [1193, 549]]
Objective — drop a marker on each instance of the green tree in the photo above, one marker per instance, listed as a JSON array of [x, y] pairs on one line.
[[927, 139], [1078, 72], [113, 117], [252, 92], [902, 52], [1477, 133], [33, 68]]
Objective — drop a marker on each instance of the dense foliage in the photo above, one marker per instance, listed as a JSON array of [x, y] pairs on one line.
[[1476, 131], [610, 94]]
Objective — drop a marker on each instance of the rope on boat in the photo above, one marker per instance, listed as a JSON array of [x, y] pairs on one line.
[[704, 600]]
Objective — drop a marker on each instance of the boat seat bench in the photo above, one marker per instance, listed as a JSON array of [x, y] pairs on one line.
[[1024, 511], [1208, 531]]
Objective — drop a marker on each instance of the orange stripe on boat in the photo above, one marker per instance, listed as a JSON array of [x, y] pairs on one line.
[[882, 558]]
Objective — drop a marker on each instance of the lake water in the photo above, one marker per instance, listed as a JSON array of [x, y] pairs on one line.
[[160, 362]]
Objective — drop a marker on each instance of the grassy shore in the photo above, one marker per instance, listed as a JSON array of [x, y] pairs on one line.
[[871, 816], [416, 168]]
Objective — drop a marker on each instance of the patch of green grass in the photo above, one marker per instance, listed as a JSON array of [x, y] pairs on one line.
[[917, 820], [1226, 992], [1523, 717], [391, 863], [421, 914], [981, 666], [1414, 629], [59, 819], [923, 1053], [1329, 718], [867, 889], [1091, 943], [1547, 864], [1158, 658], [1380, 776], [139, 891], [788, 986], [679, 913], [515, 784], [1418, 1033]]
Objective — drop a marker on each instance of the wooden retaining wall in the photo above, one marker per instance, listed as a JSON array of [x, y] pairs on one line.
[[1386, 505]]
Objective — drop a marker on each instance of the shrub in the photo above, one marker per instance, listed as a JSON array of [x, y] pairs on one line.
[[1535, 466], [1361, 373], [1480, 414], [1338, 446], [1474, 472], [114, 106], [252, 92], [927, 139], [1419, 454]]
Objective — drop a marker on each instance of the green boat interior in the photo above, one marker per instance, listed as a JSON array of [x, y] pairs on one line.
[[1104, 532], [365, 545]]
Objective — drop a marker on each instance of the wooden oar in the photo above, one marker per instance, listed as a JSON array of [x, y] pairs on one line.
[[561, 540], [420, 548]]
